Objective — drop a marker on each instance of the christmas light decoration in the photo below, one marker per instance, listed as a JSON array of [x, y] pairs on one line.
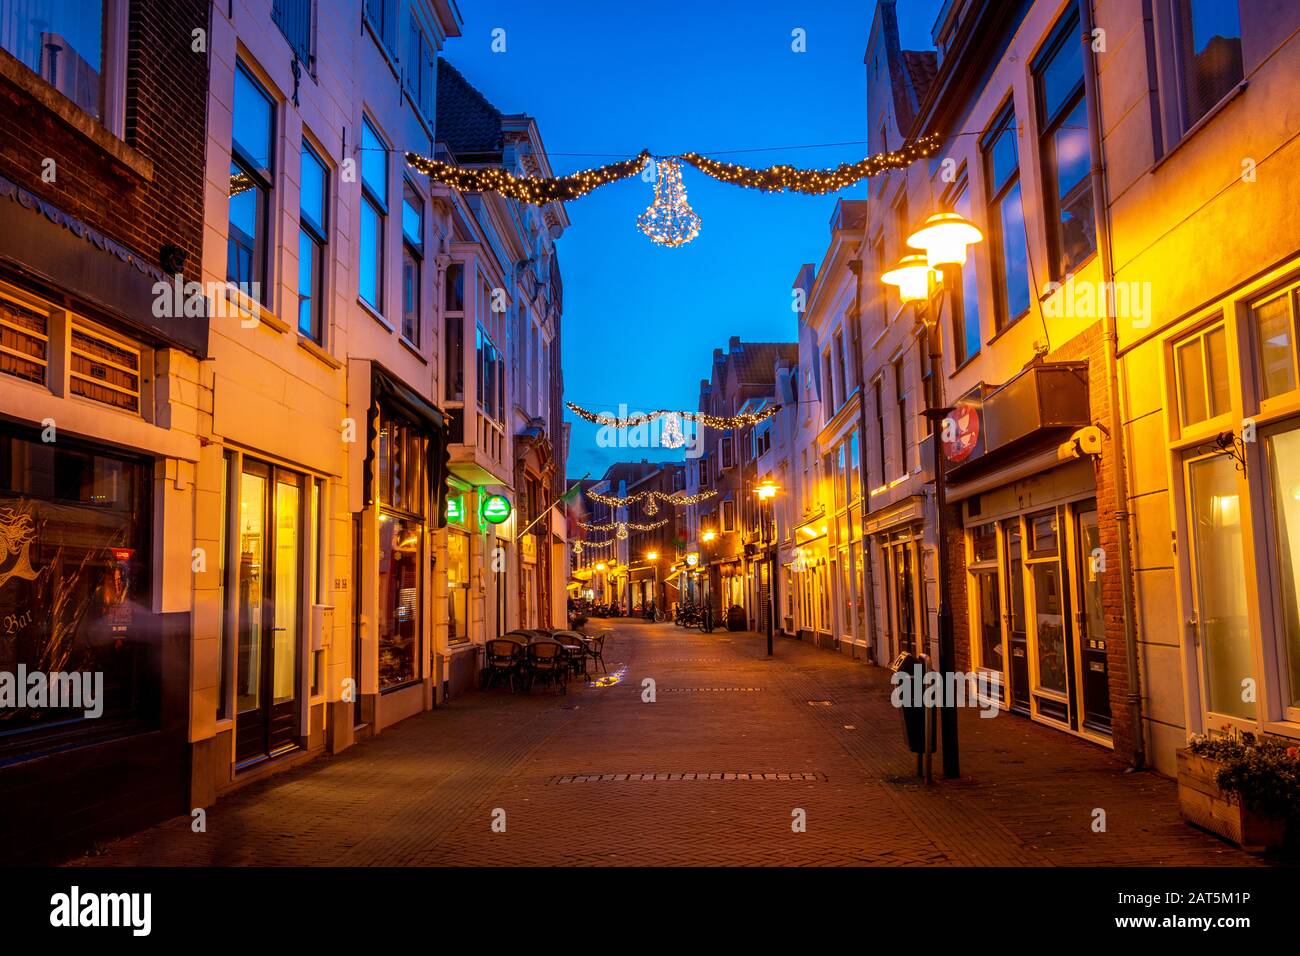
[[530, 189], [675, 498], [669, 220], [623, 525], [720, 422], [814, 182], [651, 506], [671, 436], [577, 547]]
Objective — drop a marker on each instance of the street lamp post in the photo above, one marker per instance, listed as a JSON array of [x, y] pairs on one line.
[[919, 278], [766, 491]]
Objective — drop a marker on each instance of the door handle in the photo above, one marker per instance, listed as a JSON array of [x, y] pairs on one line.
[[1195, 625]]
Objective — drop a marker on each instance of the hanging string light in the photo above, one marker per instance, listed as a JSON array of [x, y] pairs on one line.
[[651, 506], [536, 190], [669, 220], [721, 422], [814, 182], [623, 525]]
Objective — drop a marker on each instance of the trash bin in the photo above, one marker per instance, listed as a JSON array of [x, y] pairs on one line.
[[913, 710], [736, 618]]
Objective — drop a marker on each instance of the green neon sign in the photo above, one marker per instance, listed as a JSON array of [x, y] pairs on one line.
[[494, 509], [456, 508]]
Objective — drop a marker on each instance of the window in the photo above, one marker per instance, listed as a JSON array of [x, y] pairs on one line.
[[24, 341], [399, 600], [374, 215], [855, 468], [1274, 327], [65, 43], [900, 400], [80, 519], [828, 377], [453, 298], [104, 370], [704, 472], [966, 305], [725, 455], [1284, 463], [879, 389], [1064, 149], [313, 225], [728, 515], [1006, 221], [491, 369], [843, 369], [293, 17], [419, 69], [1201, 367], [457, 587], [1207, 54], [252, 157], [381, 15], [412, 261]]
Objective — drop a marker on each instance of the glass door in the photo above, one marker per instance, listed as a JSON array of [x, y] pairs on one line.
[[1219, 623], [270, 559], [1090, 636], [1049, 667], [1017, 636]]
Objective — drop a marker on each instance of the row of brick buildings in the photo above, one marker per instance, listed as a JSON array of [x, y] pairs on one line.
[[1119, 403], [280, 416]]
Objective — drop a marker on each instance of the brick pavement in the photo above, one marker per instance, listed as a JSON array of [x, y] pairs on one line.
[[708, 774]]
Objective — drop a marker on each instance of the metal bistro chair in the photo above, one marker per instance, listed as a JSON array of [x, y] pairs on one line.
[[596, 651], [504, 660], [548, 663], [575, 647]]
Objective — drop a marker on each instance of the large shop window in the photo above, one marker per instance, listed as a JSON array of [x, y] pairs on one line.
[[1284, 476], [457, 587], [402, 456], [74, 592]]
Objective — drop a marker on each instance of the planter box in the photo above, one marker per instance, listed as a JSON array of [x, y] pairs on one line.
[[1203, 804]]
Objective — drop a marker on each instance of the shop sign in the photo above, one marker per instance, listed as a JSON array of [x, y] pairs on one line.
[[494, 509], [961, 432], [456, 509]]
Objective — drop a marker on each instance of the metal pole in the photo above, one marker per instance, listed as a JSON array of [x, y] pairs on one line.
[[771, 581], [947, 644]]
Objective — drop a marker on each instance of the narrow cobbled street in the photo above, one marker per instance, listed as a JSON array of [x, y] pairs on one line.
[[712, 772]]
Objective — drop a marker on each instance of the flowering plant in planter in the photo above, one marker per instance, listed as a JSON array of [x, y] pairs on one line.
[[1261, 772]]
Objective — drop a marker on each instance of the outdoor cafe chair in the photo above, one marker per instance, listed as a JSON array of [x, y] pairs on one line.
[[576, 648], [548, 663], [596, 651], [504, 660]]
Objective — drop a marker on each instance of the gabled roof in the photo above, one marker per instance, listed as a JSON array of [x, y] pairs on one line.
[[464, 120]]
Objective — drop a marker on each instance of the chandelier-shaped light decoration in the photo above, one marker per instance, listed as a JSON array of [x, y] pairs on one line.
[[621, 533], [577, 547], [671, 436], [669, 220], [651, 506]]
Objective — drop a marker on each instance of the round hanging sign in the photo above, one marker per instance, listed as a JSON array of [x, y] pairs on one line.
[[495, 509]]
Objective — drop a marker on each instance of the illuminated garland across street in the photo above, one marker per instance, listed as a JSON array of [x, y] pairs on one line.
[[530, 189], [623, 525], [814, 182], [679, 500], [721, 422], [539, 191]]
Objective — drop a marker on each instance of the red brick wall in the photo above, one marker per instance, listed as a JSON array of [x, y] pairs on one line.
[[166, 116]]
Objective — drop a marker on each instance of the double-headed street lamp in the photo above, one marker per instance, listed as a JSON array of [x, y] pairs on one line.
[[944, 239]]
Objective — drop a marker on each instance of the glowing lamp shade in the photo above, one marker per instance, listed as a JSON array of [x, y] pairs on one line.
[[912, 276], [944, 239], [600, 567], [653, 555], [766, 490], [708, 536]]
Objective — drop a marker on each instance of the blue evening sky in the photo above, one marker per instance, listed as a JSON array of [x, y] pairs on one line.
[[641, 321]]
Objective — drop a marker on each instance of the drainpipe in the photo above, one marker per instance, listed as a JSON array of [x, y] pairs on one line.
[[869, 585], [1101, 211]]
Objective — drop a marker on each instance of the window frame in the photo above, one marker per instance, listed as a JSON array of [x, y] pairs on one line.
[[1004, 123], [1065, 32], [378, 207], [317, 233], [413, 247]]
